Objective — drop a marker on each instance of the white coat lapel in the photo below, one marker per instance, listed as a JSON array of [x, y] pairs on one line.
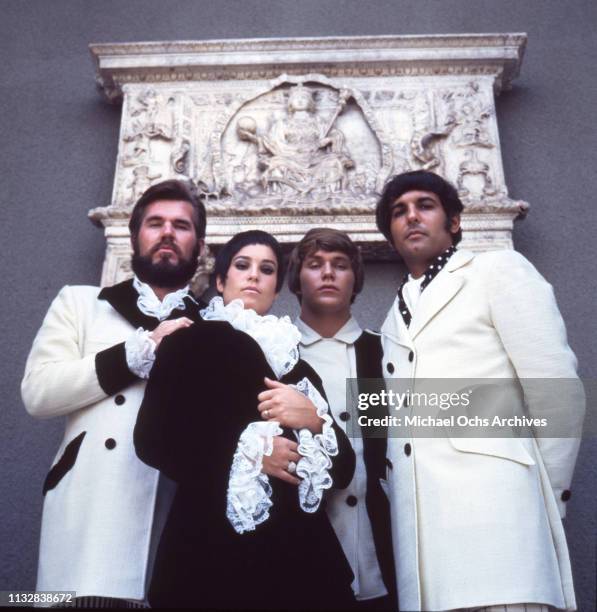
[[439, 292], [394, 327]]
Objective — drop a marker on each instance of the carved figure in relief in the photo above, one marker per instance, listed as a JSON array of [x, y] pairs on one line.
[[363, 183], [471, 128], [302, 152], [138, 151], [247, 172], [426, 134], [142, 180], [153, 119], [473, 166], [468, 115], [158, 118]]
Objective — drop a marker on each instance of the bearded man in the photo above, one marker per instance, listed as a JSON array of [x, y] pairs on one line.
[[89, 362]]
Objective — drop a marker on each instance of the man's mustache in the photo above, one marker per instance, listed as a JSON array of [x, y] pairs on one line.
[[166, 243]]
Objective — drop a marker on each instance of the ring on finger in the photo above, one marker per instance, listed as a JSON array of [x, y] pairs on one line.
[[266, 414], [291, 467]]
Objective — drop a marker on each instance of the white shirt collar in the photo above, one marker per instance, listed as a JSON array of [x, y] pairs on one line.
[[348, 333], [416, 281], [150, 305]]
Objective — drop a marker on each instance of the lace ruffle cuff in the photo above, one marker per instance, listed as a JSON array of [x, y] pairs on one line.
[[316, 452], [248, 497], [140, 352]]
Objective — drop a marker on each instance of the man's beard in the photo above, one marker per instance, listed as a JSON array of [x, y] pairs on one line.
[[163, 273]]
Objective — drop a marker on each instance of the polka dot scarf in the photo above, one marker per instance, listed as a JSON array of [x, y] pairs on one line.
[[431, 272]]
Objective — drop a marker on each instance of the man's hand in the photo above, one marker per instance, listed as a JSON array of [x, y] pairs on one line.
[[289, 407], [276, 465], [165, 328]]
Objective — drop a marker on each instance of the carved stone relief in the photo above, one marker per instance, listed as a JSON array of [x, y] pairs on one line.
[[313, 144], [302, 145], [155, 141]]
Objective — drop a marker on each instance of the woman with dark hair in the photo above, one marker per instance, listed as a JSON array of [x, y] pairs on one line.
[[235, 537]]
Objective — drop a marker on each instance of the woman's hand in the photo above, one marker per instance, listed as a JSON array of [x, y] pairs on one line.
[[282, 462], [289, 407]]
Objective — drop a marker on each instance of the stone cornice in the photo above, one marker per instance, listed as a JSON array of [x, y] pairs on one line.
[[495, 55]]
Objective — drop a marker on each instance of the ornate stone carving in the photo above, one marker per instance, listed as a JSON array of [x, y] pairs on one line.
[[142, 180], [302, 154], [285, 135], [153, 115], [200, 280], [155, 141], [497, 55], [467, 114], [300, 145], [472, 166]]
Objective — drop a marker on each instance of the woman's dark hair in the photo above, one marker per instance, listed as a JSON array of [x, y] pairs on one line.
[[243, 239], [169, 190], [418, 180], [324, 239]]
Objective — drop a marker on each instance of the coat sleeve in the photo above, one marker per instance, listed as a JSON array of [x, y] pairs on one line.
[[531, 328], [59, 378]]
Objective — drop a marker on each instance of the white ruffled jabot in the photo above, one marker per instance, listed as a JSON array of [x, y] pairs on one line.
[[277, 337], [149, 303], [249, 491], [139, 347]]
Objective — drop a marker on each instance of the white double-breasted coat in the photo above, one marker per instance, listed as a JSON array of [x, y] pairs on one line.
[[477, 521], [99, 498]]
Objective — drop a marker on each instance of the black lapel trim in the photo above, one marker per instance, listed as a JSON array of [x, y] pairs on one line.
[[64, 464], [369, 354], [191, 310], [123, 298]]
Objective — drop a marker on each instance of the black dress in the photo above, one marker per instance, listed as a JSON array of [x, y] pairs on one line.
[[201, 395]]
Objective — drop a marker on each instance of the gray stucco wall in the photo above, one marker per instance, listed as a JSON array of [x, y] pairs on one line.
[[58, 141]]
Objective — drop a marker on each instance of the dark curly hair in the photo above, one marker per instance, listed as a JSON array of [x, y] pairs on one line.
[[418, 180]]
